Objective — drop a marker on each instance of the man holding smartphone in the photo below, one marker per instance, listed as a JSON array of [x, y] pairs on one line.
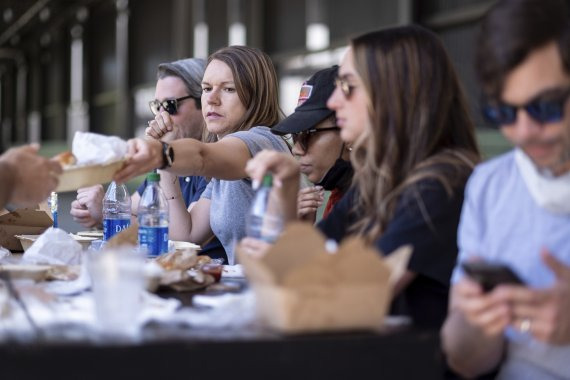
[[517, 206]]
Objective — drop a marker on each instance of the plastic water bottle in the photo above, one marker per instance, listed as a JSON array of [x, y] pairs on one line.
[[153, 218], [52, 203], [116, 210], [263, 221]]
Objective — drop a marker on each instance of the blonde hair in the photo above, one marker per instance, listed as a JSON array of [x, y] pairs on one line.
[[256, 85], [420, 126]]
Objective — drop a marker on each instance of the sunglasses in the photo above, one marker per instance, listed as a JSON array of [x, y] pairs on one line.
[[169, 105], [344, 86], [544, 108], [302, 138]]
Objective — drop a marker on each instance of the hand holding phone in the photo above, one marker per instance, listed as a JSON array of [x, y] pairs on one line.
[[489, 275]]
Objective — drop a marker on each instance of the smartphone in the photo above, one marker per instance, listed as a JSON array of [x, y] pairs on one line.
[[489, 275]]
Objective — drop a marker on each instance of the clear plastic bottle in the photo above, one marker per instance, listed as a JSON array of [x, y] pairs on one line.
[[153, 218], [116, 210], [52, 203], [264, 222]]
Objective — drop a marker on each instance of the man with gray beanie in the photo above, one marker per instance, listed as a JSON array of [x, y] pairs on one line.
[[177, 109]]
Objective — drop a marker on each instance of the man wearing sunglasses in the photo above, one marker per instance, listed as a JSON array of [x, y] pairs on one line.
[[177, 114], [517, 206], [323, 157]]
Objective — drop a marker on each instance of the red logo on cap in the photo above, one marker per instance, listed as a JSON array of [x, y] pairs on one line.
[[306, 90]]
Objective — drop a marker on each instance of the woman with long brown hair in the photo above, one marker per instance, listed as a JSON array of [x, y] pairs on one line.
[[240, 105], [399, 104]]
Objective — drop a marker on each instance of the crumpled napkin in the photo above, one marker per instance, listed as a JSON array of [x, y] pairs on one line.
[[93, 148], [227, 311], [4, 253], [54, 247]]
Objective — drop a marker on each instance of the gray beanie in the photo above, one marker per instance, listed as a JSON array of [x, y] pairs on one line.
[[190, 70]]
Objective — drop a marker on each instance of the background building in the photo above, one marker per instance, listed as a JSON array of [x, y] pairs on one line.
[[68, 65]]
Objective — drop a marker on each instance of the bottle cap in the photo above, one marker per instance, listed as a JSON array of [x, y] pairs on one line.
[[267, 180], [153, 177]]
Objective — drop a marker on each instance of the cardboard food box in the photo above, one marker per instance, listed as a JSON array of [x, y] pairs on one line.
[[301, 287], [22, 222], [75, 177]]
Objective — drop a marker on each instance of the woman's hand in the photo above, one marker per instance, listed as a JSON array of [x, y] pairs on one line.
[[286, 173], [142, 157], [283, 166], [308, 201]]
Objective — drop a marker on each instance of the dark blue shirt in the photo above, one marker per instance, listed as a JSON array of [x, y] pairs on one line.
[[192, 187], [427, 218]]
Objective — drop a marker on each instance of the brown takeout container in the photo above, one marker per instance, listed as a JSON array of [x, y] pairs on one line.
[[300, 287], [22, 222]]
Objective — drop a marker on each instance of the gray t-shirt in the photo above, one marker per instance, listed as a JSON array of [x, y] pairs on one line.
[[231, 199]]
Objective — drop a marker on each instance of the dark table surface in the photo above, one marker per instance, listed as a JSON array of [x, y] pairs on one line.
[[164, 353]]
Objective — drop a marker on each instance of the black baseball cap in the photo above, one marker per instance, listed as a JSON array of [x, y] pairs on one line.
[[312, 105]]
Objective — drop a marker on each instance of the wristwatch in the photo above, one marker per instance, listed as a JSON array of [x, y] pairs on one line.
[[167, 155]]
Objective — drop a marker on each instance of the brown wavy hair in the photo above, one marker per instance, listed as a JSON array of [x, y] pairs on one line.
[[511, 30], [256, 85], [420, 125]]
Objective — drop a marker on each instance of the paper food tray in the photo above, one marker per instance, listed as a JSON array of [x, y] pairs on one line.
[[183, 245], [28, 240], [76, 177], [26, 271], [93, 234]]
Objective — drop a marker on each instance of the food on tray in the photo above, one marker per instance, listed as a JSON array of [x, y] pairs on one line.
[[184, 270], [178, 260], [66, 159]]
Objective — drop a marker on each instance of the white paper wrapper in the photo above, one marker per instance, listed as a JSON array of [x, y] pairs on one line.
[[54, 247], [4, 253], [92, 148]]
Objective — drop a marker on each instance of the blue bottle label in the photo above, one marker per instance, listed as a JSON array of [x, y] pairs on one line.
[[154, 239], [114, 226], [54, 216]]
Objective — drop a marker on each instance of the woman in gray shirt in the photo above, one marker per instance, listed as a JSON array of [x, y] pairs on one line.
[[239, 105]]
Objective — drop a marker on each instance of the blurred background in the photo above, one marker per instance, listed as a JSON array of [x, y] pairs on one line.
[[90, 65]]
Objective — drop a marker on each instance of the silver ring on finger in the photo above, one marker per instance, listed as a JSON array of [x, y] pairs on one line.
[[526, 325]]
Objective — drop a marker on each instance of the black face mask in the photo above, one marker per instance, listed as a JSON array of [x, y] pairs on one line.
[[339, 176]]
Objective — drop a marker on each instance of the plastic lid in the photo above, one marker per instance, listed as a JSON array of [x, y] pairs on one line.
[[267, 180], [153, 177]]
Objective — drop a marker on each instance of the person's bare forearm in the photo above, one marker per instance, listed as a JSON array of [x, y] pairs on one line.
[[188, 157], [469, 352], [7, 183], [180, 223], [224, 159]]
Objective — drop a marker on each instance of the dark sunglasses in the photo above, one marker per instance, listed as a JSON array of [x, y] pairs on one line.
[[344, 86], [544, 108], [302, 138], [169, 105]]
